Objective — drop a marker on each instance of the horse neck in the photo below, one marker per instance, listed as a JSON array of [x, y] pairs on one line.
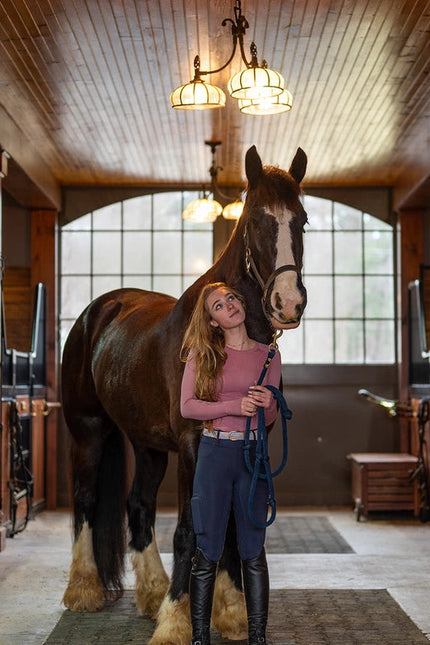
[[230, 266]]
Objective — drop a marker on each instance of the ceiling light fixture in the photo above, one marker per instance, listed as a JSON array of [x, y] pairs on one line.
[[253, 85], [207, 208]]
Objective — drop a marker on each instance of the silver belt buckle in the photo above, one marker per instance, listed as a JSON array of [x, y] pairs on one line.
[[236, 435]]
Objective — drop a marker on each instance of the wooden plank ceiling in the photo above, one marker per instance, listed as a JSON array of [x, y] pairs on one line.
[[88, 84]]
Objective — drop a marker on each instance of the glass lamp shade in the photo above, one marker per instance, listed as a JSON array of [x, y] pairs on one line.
[[233, 210], [255, 82], [268, 105], [197, 95], [202, 210]]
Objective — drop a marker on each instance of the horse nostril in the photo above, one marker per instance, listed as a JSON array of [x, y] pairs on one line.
[[278, 301]]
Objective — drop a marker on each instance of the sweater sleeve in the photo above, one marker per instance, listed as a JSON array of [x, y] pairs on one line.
[[194, 408]]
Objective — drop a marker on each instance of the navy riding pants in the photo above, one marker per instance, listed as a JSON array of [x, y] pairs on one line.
[[221, 482]]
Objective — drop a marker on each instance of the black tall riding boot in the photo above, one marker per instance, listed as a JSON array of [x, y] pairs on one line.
[[256, 587], [202, 583]]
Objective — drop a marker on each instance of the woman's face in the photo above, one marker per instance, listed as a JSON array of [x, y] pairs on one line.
[[225, 309]]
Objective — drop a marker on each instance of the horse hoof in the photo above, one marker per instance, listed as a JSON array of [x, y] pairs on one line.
[[173, 623], [229, 615], [82, 597], [152, 582]]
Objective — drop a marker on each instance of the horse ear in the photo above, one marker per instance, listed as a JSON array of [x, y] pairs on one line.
[[253, 167], [298, 165]]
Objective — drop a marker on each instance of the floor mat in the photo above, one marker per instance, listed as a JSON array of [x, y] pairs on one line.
[[288, 534], [296, 617]]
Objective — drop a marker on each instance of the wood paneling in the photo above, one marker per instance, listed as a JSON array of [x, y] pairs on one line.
[[88, 83], [18, 306]]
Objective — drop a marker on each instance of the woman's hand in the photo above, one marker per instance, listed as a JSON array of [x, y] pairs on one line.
[[260, 395], [248, 407]]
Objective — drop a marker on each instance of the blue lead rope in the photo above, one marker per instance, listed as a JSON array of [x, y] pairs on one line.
[[261, 467]]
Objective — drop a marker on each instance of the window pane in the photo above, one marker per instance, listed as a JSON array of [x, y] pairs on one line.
[[103, 284], [317, 255], [379, 252], [320, 297], [348, 253], [379, 341], [197, 252], [188, 280], [107, 252], [108, 218], [75, 253], [346, 217], [291, 345], [348, 297], [167, 253], [138, 282], [137, 213], [75, 295], [80, 224], [319, 212], [379, 297], [371, 223], [167, 211], [137, 252], [168, 284], [349, 341], [319, 341]]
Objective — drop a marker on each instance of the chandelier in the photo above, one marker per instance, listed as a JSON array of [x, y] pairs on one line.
[[258, 89], [207, 208]]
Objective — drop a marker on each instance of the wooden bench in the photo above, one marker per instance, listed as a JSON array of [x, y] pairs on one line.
[[381, 482]]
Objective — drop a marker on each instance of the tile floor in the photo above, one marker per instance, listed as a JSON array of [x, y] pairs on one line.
[[392, 554]]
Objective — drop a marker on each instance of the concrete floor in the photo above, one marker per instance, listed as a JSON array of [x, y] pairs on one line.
[[389, 554]]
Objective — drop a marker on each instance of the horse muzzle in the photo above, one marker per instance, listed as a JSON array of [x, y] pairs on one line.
[[286, 301]]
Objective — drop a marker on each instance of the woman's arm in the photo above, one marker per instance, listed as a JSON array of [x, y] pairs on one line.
[[194, 408]]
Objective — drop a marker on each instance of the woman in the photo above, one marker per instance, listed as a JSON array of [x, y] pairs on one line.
[[218, 388]]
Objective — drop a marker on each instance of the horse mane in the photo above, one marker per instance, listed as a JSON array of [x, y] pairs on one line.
[[276, 186]]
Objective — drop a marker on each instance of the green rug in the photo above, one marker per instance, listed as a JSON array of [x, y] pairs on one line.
[[296, 617], [288, 534]]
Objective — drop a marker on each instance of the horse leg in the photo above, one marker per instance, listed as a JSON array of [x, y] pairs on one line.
[[229, 615], [98, 461], [152, 581], [173, 620], [84, 591]]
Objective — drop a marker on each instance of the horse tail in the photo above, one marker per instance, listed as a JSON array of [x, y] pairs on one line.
[[109, 531]]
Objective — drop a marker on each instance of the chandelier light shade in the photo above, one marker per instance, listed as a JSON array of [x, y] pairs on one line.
[[197, 95], [202, 210], [207, 209], [253, 83], [269, 105], [233, 210]]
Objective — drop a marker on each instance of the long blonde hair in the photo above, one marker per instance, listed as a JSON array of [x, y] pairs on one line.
[[205, 343]]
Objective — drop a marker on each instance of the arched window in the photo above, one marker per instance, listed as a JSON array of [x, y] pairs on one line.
[[348, 270], [140, 242]]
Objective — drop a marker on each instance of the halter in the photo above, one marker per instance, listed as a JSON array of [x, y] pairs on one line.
[[268, 285]]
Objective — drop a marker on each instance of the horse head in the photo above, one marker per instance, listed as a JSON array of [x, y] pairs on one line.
[[272, 228]]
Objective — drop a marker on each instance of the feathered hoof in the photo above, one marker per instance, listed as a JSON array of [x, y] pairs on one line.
[[148, 602], [152, 583], [84, 594], [229, 615], [173, 623]]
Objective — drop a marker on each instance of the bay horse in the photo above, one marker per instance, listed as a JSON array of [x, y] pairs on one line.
[[121, 377]]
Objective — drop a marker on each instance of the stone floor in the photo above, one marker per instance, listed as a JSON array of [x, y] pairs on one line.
[[387, 553]]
